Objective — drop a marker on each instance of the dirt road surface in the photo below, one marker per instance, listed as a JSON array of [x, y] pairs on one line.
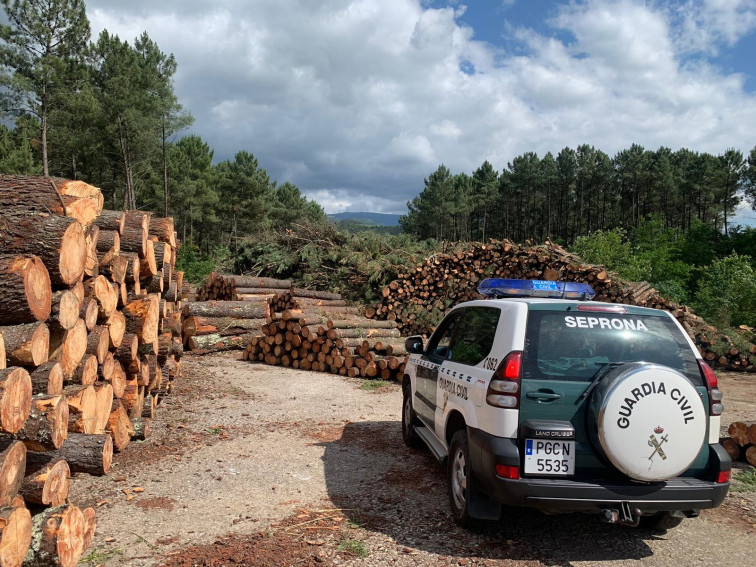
[[255, 465]]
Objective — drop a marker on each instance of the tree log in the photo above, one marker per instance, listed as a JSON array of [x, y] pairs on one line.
[[142, 318], [26, 289], [119, 426], [118, 380], [104, 393], [70, 349], [65, 310], [738, 431], [47, 379], [116, 268], [217, 343], [47, 484], [90, 454], [92, 265], [141, 428], [15, 535], [15, 398], [314, 294], [58, 537], [135, 231], [3, 356], [111, 220], [85, 373], [117, 327], [58, 241], [235, 309], [47, 425], [100, 289], [98, 342], [82, 409], [27, 344], [12, 469], [128, 351], [164, 229], [89, 311], [250, 281]]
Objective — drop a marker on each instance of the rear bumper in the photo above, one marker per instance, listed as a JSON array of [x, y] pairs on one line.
[[588, 495]]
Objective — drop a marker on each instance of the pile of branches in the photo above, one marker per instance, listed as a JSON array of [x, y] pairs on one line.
[[418, 298]]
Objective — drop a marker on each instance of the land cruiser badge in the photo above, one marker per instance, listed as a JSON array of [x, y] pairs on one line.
[[657, 444]]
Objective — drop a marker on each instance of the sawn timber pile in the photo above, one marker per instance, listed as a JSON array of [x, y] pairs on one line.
[[741, 443], [87, 348], [418, 300]]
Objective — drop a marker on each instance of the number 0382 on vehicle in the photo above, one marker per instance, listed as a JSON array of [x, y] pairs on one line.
[[544, 457]]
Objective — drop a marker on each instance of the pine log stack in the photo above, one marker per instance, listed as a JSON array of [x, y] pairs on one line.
[[741, 443], [87, 348], [229, 287], [418, 300]]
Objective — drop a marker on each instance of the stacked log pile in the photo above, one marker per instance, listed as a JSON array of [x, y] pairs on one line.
[[88, 328], [418, 300], [741, 443]]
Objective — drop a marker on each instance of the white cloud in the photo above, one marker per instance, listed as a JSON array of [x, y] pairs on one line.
[[357, 101]]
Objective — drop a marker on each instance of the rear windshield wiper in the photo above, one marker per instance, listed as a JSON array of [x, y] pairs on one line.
[[600, 373]]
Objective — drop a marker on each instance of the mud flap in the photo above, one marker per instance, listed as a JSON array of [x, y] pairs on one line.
[[481, 507]]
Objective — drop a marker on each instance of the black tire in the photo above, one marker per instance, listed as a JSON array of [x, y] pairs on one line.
[[409, 419], [662, 521], [458, 477]]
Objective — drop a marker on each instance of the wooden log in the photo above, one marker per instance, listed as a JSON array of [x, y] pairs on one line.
[[142, 318], [220, 325], [15, 398], [738, 432], [118, 380], [750, 455], [141, 428], [217, 343], [58, 241], [41, 195], [171, 292], [47, 484], [108, 244], [732, 448], [250, 281], [12, 468], [751, 434], [119, 426], [305, 302], [82, 409], [154, 284], [111, 220], [361, 323], [235, 309], [163, 252], [65, 310], [47, 379], [3, 356], [98, 342], [15, 535], [104, 403], [57, 537], [115, 269], [27, 295], [26, 344], [80, 189], [135, 231], [127, 352], [47, 425], [133, 268], [148, 266], [89, 312], [366, 333], [70, 348], [105, 370], [164, 229], [92, 264], [100, 289], [85, 373], [116, 328], [314, 294], [90, 454]]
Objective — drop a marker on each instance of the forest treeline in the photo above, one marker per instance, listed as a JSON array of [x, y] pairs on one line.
[[581, 191], [104, 110]]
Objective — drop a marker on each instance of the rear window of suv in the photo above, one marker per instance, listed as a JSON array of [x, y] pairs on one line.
[[574, 345]]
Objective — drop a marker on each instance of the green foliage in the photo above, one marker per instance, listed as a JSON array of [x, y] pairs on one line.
[[744, 481], [195, 265], [372, 385], [726, 293], [353, 547], [100, 555]]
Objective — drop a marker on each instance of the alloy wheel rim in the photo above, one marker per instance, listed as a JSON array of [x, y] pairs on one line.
[[459, 479]]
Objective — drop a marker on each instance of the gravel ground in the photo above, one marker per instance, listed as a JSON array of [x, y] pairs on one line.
[[256, 465]]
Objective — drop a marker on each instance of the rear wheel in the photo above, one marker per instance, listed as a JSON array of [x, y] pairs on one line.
[[459, 478], [409, 419], [661, 521]]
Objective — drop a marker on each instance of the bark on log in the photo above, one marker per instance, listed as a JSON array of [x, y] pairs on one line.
[[3, 356], [163, 253], [141, 428], [15, 535], [732, 448], [15, 398], [109, 243], [750, 455], [47, 379], [12, 468], [128, 351], [738, 431], [47, 484], [105, 370], [117, 327], [85, 373], [147, 264], [142, 318], [111, 220], [235, 309], [132, 271], [58, 537], [220, 325], [119, 426], [361, 323], [134, 233], [104, 397], [250, 281], [47, 425], [92, 264], [98, 342], [115, 269], [27, 344], [100, 289], [118, 380], [27, 294], [71, 350], [89, 311], [90, 454], [65, 310], [58, 241], [218, 343], [82, 409], [314, 294], [163, 228]]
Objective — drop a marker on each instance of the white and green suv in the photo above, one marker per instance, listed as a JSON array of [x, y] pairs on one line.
[[540, 397]]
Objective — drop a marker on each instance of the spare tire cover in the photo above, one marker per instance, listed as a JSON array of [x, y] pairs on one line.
[[651, 421]]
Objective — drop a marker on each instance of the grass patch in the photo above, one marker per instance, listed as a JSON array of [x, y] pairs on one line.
[[100, 555], [354, 547], [745, 481], [370, 385], [215, 430]]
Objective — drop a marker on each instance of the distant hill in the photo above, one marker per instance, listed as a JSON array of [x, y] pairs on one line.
[[379, 219]]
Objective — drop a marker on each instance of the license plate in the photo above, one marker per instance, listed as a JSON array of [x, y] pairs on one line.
[[545, 457]]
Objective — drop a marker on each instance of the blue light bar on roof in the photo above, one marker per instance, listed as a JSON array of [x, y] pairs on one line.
[[498, 287]]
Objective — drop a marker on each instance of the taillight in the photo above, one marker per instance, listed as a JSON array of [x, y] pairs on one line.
[[715, 394], [724, 476], [508, 471], [504, 389]]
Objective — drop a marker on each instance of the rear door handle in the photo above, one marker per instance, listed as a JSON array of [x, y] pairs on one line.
[[543, 396]]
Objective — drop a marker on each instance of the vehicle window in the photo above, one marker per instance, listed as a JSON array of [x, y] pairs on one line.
[[441, 339], [574, 345], [474, 335]]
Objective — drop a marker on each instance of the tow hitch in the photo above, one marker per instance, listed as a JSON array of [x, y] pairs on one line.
[[625, 515]]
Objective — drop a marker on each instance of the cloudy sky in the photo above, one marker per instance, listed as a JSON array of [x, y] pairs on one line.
[[356, 101]]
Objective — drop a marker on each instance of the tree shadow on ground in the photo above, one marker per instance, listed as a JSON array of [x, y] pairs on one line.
[[386, 487]]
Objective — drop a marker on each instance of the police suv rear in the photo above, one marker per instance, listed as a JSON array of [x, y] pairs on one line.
[[540, 397]]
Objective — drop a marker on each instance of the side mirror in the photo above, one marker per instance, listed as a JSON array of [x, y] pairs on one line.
[[414, 345]]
